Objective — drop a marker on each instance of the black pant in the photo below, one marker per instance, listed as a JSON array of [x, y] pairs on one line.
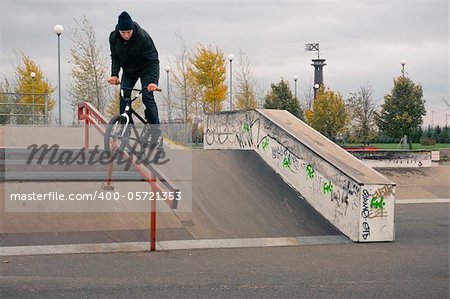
[[151, 110]]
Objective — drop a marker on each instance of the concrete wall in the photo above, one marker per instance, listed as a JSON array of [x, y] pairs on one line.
[[353, 197], [394, 158]]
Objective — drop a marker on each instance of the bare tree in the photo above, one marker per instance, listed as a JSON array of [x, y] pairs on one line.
[[308, 96], [89, 68], [362, 110], [245, 82], [261, 92], [186, 93]]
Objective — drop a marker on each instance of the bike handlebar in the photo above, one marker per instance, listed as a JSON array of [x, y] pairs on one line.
[[140, 90], [135, 89]]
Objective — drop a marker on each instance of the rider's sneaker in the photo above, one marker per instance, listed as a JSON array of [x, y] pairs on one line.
[[155, 141], [151, 138], [145, 133], [159, 154]]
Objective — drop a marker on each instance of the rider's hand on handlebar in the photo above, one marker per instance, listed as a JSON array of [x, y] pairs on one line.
[[114, 80], [152, 87]]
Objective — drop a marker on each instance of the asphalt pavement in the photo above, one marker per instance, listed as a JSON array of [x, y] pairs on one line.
[[416, 265]]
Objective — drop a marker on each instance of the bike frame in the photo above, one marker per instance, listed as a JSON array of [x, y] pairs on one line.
[[129, 111]]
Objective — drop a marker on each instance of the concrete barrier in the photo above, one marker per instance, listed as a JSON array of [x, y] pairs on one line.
[[394, 158], [435, 156], [352, 196]]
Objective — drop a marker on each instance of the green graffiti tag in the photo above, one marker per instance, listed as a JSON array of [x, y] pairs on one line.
[[310, 171], [374, 204], [327, 187], [287, 163], [265, 143], [246, 127]]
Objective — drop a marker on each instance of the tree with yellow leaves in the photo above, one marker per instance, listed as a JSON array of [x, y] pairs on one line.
[[208, 69], [37, 85], [328, 114]]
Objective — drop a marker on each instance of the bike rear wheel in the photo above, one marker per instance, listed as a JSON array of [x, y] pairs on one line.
[[117, 134]]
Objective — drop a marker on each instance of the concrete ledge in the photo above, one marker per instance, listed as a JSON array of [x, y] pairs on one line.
[[394, 158]]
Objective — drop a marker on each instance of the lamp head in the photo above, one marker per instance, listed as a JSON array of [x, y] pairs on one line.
[[58, 29]]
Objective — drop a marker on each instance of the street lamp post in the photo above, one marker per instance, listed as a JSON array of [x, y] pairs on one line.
[[403, 62], [168, 95], [58, 29], [169, 104], [230, 58], [33, 76], [295, 86], [316, 87]]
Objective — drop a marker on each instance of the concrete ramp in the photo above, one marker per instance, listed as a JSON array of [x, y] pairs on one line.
[[237, 195], [352, 196]]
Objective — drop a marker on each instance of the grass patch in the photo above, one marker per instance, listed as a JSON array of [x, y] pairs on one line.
[[417, 146]]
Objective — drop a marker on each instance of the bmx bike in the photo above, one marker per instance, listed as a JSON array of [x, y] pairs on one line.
[[120, 128]]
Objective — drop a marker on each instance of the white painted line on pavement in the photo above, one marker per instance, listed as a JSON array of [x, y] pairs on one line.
[[432, 200], [172, 245]]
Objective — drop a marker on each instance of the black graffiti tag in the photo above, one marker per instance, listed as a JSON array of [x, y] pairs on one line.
[[365, 214]]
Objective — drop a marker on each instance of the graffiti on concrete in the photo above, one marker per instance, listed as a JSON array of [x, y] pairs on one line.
[[327, 187], [310, 171], [384, 191], [232, 129], [365, 232], [374, 206], [377, 203], [282, 151], [265, 143]]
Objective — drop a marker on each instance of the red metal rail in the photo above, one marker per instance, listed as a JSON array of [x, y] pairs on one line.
[[93, 117]]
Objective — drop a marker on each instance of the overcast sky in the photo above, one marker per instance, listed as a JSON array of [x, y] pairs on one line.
[[362, 41]]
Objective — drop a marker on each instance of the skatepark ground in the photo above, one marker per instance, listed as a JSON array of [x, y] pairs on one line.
[[235, 195], [415, 265]]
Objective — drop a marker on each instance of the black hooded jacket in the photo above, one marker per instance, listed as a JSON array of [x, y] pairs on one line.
[[136, 56]]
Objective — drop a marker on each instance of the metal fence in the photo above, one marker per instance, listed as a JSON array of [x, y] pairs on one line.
[[179, 133], [24, 108]]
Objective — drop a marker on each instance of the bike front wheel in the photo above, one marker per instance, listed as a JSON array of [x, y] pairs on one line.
[[117, 134]]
